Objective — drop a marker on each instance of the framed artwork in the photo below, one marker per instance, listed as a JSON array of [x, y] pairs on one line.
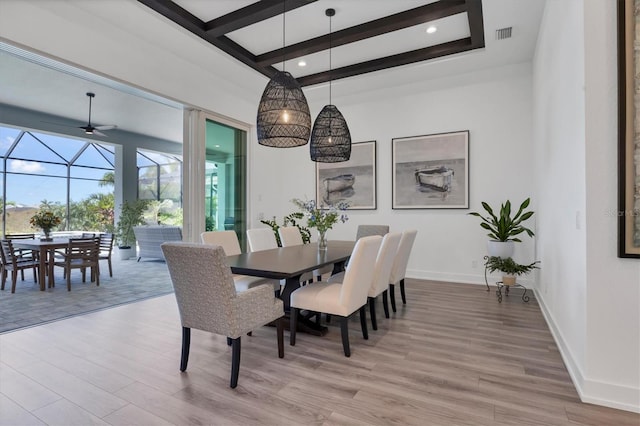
[[431, 172], [628, 129], [352, 181]]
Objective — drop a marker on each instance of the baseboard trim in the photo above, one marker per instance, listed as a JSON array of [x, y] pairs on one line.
[[589, 391], [462, 278]]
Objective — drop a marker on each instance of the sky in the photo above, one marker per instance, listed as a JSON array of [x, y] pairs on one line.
[[35, 154]]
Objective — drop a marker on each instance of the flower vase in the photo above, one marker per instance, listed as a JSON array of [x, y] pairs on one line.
[[322, 240], [47, 234]]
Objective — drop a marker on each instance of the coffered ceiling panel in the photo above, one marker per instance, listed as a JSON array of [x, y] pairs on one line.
[[365, 36]]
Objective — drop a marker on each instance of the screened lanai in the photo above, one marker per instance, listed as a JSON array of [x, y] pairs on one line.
[[75, 179]]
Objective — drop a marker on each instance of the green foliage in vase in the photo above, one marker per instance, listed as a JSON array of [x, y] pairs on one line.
[[291, 219]]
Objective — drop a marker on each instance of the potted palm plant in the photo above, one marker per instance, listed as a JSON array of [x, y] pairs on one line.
[[509, 268], [131, 214], [504, 228]]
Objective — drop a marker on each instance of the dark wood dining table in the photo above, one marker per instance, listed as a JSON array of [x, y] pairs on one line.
[[44, 248], [289, 263]]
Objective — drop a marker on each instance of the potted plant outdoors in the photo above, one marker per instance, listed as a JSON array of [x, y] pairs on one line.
[[509, 268], [131, 214], [504, 228]]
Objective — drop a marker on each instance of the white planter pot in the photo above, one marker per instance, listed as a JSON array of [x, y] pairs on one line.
[[502, 249], [125, 253]]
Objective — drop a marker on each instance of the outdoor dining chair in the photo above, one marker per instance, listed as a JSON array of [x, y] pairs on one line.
[[80, 253], [106, 248], [12, 262], [23, 254]]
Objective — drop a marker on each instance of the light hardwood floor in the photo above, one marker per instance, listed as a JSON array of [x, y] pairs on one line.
[[452, 356]]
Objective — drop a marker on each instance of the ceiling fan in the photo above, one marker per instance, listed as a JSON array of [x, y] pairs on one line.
[[90, 129]]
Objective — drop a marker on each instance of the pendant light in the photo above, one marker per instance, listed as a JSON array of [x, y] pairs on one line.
[[330, 137], [284, 120]]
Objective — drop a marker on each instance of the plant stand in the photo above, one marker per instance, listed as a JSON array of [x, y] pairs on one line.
[[500, 285]]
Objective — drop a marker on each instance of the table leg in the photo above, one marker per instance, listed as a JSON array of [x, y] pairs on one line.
[[43, 268]]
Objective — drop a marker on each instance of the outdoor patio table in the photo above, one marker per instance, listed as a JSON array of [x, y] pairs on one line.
[[44, 248]]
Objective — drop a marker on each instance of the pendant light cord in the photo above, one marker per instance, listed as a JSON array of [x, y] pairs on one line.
[[284, 12], [330, 45]]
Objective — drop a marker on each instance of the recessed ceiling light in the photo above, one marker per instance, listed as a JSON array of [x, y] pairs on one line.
[[431, 29], [302, 63]]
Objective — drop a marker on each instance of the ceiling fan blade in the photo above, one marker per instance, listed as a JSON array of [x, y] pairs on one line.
[[99, 133], [106, 127]]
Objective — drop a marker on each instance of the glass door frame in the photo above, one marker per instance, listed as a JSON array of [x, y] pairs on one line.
[[194, 156]]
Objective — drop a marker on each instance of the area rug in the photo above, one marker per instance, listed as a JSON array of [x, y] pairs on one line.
[[131, 282]]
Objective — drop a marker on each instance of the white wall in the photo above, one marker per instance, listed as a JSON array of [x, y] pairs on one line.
[[590, 298], [494, 105]]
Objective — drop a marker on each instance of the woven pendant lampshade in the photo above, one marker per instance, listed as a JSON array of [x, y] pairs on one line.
[[330, 137], [284, 120]]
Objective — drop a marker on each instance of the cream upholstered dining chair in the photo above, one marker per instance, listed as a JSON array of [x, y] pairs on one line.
[[207, 299], [382, 272], [399, 269], [366, 230], [341, 299], [228, 240], [261, 239], [290, 236]]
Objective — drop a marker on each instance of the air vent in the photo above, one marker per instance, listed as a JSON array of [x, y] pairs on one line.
[[503, 33]]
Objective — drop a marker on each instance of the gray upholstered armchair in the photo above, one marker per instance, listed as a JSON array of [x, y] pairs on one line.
[[208, 300]]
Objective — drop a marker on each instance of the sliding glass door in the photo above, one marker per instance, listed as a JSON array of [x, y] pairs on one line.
[[225, 185]]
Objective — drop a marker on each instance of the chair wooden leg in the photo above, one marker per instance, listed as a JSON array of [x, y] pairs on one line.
[[186, 342], [372, 310], [344, 331], [229, 341], [293, 325], [385, 304], [4, 278], [392, 296], [363, 322], [235, 362], [280, 334], [14, 280], [404, 298], [110, 269], [35, 275], [69, 280], [22, 274]]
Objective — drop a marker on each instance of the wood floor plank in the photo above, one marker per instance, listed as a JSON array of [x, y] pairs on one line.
[[83, 394], [14, 415], [452, 355], [26, 392], [64, 412]]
